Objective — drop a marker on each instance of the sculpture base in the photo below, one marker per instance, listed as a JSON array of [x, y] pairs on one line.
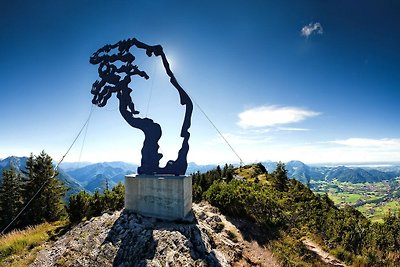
[[160, 196]]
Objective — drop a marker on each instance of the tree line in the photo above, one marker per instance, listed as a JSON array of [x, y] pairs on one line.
[[18, 189], [40, 195]]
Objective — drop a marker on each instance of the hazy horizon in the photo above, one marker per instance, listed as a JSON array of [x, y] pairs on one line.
[[328, 164]]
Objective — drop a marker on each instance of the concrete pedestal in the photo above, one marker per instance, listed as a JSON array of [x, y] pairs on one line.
[[162, 196]]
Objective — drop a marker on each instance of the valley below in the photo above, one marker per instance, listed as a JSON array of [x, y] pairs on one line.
[[374, 200]]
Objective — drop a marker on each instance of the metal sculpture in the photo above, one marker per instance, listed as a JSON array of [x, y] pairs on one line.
[[111, 81]]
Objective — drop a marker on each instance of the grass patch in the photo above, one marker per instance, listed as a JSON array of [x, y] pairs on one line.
[[335, 198], [384, 209], [232, 236], [376, 212], [251, 172], [352, 198], [348, 198], [18, 245]]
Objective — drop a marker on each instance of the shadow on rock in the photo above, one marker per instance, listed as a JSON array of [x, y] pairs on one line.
[[253, 232], [144, 241]]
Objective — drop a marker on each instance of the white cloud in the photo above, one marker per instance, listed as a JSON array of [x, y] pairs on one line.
[[312, 28], [368, 142], [267, 116]]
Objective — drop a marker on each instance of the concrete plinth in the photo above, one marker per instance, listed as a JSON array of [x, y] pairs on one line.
[[163, 196]]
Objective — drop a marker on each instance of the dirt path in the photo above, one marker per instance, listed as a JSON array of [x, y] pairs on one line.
[[324, 256]]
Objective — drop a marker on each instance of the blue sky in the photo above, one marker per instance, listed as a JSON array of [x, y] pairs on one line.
[[316, 81]]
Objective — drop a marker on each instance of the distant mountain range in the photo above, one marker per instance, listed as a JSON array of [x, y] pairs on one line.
[[305, 173], [97, 176]]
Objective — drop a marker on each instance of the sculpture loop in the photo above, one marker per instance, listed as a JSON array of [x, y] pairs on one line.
[[115, 79]]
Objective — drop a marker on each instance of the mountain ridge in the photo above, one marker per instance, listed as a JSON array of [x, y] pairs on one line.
[[98, 176]]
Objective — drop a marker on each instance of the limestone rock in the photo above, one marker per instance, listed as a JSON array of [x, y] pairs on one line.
[[126, 239]]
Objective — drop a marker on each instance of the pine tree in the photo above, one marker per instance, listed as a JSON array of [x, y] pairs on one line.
[[79, 206], [279, 176], [48, 204], [11, 201], [225, 170], [219, 172], [97, 204], [197, 192], [229, 175], [119, 196]]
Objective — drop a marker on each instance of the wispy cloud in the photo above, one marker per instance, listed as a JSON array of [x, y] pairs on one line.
[[243, 139], [292, 129], [267, 116], [311, 28], [369, 142]]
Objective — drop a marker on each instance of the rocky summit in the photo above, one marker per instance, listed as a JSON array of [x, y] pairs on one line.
[[128, 239]]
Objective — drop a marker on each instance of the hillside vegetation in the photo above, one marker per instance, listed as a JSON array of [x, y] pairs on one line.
[[288, 212]]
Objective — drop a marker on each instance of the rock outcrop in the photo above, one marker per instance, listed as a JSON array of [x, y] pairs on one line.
[[127, 239]]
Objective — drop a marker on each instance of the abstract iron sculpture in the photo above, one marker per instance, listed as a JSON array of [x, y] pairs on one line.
[[111, 81]]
